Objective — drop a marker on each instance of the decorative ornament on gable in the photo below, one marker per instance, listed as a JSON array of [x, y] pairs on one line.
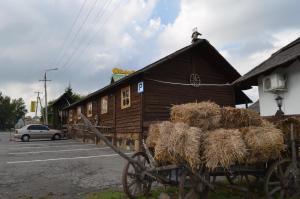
[[195, 80], [195, 35]]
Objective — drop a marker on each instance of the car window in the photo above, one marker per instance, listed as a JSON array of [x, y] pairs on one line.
[[38, 127], [45, 128], [31, 127]]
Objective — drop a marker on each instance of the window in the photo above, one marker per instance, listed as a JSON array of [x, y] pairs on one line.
[[104, 105], [70, 115], [125, 97], [32, 127], [79, 112], [90, 109], [38, 127]]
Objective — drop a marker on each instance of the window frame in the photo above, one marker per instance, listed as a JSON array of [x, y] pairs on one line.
[[78, 112], [89, 112], [104, 110], [124, 98]]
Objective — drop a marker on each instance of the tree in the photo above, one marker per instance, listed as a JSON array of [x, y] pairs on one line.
[[71, 96], [11, 111]]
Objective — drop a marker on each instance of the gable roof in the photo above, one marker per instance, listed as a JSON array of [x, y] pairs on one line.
[[282, 57], [57, 99], [200, 43]]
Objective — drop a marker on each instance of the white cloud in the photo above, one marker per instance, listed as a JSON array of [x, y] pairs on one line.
[[245, 32]]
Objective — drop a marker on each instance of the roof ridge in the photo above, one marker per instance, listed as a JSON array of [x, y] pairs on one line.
[[291, 44]]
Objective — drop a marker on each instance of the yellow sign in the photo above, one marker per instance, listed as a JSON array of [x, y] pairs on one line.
[[33, 106], [121, 71]]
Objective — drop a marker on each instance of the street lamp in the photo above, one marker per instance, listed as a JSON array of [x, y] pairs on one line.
[[279, 112], [45, 85]]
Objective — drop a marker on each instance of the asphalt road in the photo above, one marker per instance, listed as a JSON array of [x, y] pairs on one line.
[[64, 169]]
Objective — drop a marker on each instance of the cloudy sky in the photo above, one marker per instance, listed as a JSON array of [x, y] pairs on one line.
[[85, 39]]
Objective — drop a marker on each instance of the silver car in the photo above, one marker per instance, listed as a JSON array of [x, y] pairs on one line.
[[37, 131]]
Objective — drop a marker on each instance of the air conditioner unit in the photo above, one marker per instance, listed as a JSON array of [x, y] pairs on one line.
[[274, 82]]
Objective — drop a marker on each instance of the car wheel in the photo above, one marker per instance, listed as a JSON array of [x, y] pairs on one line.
[[56, 137], [25, 138]]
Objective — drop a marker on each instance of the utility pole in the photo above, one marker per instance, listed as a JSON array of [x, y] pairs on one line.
[[45, 80]]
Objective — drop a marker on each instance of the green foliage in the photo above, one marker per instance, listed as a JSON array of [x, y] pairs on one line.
[[67, 97], [71, 96], [220, 193], [11, 110]]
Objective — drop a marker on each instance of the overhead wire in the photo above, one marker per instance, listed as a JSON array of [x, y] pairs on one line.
[[99, 14], [98, 29], [63, 45], [80, 27]]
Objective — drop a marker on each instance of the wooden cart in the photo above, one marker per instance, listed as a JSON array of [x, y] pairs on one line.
[[282, 177]]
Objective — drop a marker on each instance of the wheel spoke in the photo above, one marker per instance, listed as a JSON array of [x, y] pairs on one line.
[[274, 183], [132, 183], [131, 175], [281, 173], [276, 189], [282, 194], [139, 188]]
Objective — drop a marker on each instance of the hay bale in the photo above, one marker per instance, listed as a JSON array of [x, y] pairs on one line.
[[285, 127], [204, 115], [194, 147], [178, 144], [263, 143], [223, 148], [185, 145], [239, 118], [153, 135], [161, 153]]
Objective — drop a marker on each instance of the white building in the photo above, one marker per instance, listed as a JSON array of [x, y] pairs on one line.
[[277, 77]]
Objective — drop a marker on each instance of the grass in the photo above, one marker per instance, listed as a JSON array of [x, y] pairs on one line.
[[219, 194]]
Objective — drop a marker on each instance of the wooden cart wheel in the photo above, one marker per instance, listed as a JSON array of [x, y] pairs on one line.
[[191, 188], [136, 184], [283, 180]]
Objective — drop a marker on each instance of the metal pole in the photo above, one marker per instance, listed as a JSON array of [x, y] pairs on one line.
[[45, 85], [46, 103]]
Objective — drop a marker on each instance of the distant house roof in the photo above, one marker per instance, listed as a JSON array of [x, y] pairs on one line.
[[62, 98], [200, 43], [282, 57]]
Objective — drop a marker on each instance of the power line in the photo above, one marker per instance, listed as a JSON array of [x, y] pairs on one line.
[[62, 48], [99, 28], [90, 41], [81, 26], [101, 14]]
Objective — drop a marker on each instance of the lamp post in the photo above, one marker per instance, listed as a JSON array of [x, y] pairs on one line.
[[279, 112]]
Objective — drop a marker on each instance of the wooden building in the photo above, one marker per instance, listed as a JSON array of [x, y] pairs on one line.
[[197, 72]]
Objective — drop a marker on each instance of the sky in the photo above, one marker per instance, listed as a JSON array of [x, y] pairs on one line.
[[85, 39]]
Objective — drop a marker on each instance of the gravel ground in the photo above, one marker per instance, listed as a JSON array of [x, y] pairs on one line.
[[64, 169]]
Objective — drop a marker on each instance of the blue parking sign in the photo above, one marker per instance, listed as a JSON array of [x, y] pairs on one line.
[[140, 87]]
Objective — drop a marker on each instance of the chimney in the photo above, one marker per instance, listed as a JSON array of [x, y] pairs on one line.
[[195, 35]]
